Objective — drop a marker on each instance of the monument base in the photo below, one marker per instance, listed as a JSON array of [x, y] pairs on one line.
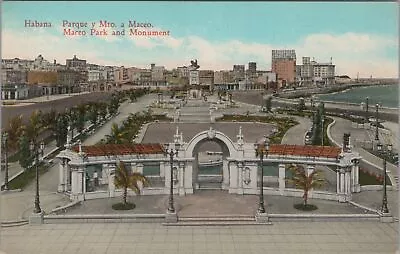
[[36, 218], [386, 218], [262, 217], [171, 217]]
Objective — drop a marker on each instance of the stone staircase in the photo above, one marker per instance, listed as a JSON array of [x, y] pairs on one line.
[[217, 220]]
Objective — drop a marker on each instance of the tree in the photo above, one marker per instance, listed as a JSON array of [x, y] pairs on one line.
[[34, 127], [14, 130], [124, 178], [303, 181], [49, 121], [117, 136], [26, 157]]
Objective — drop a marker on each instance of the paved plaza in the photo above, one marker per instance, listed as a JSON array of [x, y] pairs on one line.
[[280, 237], [213, 202]]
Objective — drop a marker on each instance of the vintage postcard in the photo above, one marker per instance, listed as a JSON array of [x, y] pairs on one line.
[[136, 126]]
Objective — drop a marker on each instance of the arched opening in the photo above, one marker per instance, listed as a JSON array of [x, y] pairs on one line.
[[210, 165]]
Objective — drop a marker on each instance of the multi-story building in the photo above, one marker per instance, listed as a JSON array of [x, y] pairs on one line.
[[194, 78], [158, 75], [284, 65], [206, 79], [183, 72], [239, 73], [12, 76], [252, 69], [78, 65], [314, 73], [324, 73]]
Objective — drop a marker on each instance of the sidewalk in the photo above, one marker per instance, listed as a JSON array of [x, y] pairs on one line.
[[44, 98]]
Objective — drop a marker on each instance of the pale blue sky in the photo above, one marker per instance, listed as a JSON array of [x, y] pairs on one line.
[[366, 31]]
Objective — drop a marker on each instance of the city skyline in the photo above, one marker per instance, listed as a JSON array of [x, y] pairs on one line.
[[218, 35]]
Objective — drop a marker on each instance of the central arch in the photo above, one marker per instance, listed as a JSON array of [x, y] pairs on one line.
[[228, 150]]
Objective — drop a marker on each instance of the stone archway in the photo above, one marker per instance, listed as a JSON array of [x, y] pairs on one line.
[[228, 151]]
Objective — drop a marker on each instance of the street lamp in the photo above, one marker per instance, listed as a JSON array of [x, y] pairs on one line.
[[383, 151], [172, 152], [4, 143], [366, 107], [262, 147], [36, 151], [322, 134], [376, 123]]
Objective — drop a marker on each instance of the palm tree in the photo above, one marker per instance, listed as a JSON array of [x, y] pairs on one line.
[[117, 136], [304, 181], [124, 178]]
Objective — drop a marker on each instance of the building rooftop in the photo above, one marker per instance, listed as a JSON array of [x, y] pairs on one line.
[[311, 151], [120, 149]]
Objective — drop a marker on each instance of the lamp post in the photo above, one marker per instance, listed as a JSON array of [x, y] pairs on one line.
[[382, 151], [5, 147], [36, 151], [262, 147], [172, 152], [376, 122], [322, 133]]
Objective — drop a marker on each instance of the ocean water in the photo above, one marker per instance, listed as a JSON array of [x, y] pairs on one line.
[[388, 95]]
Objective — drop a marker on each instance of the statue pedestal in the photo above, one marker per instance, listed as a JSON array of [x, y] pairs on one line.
[[171, 217], [36, 218], [386, 217]]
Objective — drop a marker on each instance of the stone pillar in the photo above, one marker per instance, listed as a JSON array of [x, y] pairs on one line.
[[111, 185], [342, 195], [337, 181], [181, 177], [236, 178], [225, 174], [9, 95], [133, 167], [81, 183], [282, 176], [188, 178], [162, 168], [348, 183], [61, 175], [352, 178], [16, 95], [356, 169], [139, 168], [310, 170], [167, 178]]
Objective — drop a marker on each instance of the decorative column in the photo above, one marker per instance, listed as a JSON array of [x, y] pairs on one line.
[[181, 177], [167, 178], [81, 183], [282, 176], [310, 170], [162, 169], [225, 174], [356, 168], [188, 178], [348, 183], [337, 180], [139, 168], [237, 178], [61, 175], [111, 185], [342, 195]]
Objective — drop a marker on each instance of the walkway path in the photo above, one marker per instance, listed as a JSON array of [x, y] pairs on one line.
[[280, 237], [125, 110]]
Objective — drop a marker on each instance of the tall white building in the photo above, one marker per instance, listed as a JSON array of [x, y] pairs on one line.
[[314, 73], [194, 78]]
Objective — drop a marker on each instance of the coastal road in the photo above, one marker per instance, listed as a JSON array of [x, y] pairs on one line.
[[256, 98]]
